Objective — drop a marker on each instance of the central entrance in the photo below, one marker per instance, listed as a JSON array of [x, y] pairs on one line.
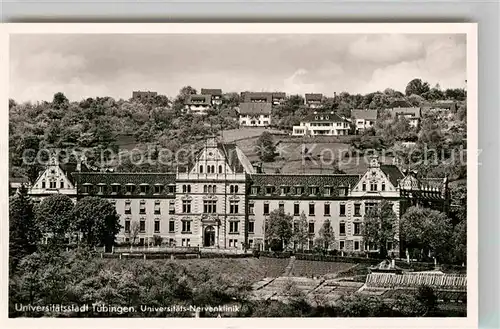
[[209, 236]]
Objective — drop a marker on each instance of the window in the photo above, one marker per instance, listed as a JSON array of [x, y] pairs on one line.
[[250, 243], [342, 191], [220, 169], [209, 206], [142, 207], [171, 226], [251, 227], [313, 190], [266, 208], [157, 226], [233, 227], [299, 190], [186, 226], [201, 169], [296, 209], [233, 189], [326, 191], [285, 190], [186, 188], [157, 207], [255, 190], [127, 226], [327, 209], [383, 186], [186, 242], [171, 207], [364, 186], [115, 189], [251, 207], [311, 244], [233, 207], [342, 245], [53, 184], [205, 189], [356, 245], [130, 189], [186, 206], [269, 190], [342, 210], [141, 241], [342, 229], [357, 209], [102, 189], [144, 189], [281, 207], [158, 189], [311, 209], [311, 228], [373, 187], [369, 206], [171, 242], [357, 228], [233, 243], [43, 186], [61, 184], [128, 208], [171, 189], [389, 245], [142, 226]]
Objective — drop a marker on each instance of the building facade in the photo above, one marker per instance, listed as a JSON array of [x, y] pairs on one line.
[[322, 124], [221, 201], [275, 98], [412, 114], [256, 114], [364, 119], [198, 104], [314, 100], [215, 95]]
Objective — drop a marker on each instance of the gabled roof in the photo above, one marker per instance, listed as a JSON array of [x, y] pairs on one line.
[[269, 96], [314, 97], [393, 173], [235, 158], [123, 178], [198, 99], [305, 180], [255, 108], [364, 114], [213, 92], [413, 111]]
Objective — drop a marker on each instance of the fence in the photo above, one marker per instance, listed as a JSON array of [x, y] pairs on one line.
[[415, 280]]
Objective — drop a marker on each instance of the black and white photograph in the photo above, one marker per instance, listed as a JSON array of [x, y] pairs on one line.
[[240, 175]]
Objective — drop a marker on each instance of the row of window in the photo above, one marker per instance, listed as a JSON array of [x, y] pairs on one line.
[[210, 169], [312, 209], [209, 189], [156, 209], [374, 186], [129, 188], [342, 230], [210, 207], [299, 190], [186, 226], [53, 184]]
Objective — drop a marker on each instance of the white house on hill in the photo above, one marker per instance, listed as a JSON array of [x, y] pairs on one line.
[[322, 124]]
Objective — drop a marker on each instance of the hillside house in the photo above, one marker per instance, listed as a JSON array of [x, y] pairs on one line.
[[364, 119], [313, 100], [215, 94], [322, 124], [255, 114], [198, 104]]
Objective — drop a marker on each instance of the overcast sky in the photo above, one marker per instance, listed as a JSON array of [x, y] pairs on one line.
[[84, 66]]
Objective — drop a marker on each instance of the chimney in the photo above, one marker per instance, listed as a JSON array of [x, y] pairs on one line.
[[393, 263]]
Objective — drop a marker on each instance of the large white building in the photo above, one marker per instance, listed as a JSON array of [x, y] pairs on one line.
[[412, 114], [255, 114], [198, 104], [322, 124]]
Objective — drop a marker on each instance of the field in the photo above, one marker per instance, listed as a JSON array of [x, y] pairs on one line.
[[245, 133], [307, 268]]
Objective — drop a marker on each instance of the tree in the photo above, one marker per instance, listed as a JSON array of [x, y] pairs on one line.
[[54, 217], [326, 238], [96, 219], [23, 232], [266, 147], [60, 101], [278, 229], [458, 206], [300, 231], [378, 227], [416, 87], [460, 242], [427, 231], [427, 298]]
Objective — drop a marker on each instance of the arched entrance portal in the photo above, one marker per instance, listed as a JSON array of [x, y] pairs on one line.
[[209, 237]]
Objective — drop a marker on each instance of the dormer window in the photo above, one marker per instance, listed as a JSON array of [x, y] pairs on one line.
[[158, 189], [269, 190], [130, 188], [299, 190], [342, 191], [316, 118], [373, 187], [87, 188], [313, 190], [102, 188], [171, 189], [285, 190], [144, 188], [255, 190], [115, 188], [327, 190], [53, 184]]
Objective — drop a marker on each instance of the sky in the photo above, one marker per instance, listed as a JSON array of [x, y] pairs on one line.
[[90, 65]]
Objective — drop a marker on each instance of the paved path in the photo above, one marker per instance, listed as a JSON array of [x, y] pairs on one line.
[[289, 267]]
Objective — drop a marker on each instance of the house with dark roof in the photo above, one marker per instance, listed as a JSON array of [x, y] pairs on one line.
[[364, 119], [215, 94], [313, 100], [256, 114], [412, 114], [198, 104], [322, 124], [275, 98]]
